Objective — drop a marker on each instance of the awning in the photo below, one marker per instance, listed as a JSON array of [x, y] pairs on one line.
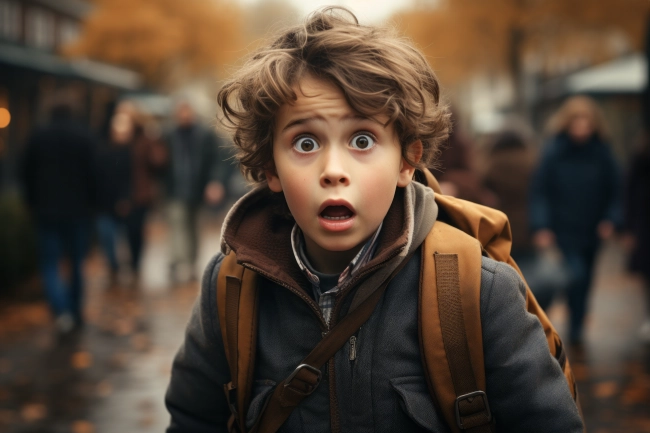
[[37, 60], [625, 75]]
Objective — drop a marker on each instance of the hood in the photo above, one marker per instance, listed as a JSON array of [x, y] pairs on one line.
[[258, 229]]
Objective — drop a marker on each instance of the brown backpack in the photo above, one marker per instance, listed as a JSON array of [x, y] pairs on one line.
[[449, 321]]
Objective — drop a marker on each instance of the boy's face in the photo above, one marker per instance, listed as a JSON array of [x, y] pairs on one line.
[[338, 170]]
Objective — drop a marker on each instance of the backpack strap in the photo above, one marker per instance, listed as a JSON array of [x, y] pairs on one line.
[[237, 305], [492, 229], [450, 328]]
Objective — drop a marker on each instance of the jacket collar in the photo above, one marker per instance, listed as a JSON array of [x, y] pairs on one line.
[[258, 229]]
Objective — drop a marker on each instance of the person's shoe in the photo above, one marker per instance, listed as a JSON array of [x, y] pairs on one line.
[[644, 332], [64, 323]]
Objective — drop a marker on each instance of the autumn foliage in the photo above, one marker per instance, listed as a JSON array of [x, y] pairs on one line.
[[463, 37], [166, 40]]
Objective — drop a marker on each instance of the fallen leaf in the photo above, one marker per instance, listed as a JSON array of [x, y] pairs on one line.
[[81, 360], [605, 389], [81, 426], [33, 412]]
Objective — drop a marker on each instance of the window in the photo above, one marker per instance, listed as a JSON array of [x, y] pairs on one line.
[[68, 31], [40, 28], [10, 20]]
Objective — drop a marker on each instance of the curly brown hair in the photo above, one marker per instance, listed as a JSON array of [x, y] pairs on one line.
[[379, 73]]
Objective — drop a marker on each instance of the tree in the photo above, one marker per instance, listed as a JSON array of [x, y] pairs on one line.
[[168, 41], [462, 37]]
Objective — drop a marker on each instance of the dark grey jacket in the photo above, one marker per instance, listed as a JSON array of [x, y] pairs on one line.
[[383, 389]]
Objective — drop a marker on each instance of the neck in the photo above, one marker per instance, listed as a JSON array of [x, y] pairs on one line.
[[329, 262]]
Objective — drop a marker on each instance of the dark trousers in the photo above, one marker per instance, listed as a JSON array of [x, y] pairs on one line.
[[58, 240], [580, 261], [108, 229]]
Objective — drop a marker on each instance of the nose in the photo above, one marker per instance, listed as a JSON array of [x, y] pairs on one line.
[[334, 172]]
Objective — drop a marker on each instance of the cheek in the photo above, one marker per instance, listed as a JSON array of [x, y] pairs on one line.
[[378, 193], [296, 192]]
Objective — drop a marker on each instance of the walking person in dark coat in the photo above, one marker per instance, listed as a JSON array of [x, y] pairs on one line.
[[125, 169], [637, 223], [575, 197], [193, 177], [59, 188]]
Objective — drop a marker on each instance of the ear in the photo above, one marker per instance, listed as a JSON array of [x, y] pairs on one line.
[[273, 181], [406, 170]]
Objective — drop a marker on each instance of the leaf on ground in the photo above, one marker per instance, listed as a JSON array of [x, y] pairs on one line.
[[605, 389], [82, 426], [33, 412], [81, 360]]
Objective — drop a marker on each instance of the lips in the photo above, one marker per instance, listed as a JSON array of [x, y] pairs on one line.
[[336, 215], [336, 210]]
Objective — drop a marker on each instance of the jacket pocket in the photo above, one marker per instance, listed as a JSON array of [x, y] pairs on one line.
[[416, 402], [262, 390]]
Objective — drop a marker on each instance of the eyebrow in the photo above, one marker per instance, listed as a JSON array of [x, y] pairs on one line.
[[304, 120]]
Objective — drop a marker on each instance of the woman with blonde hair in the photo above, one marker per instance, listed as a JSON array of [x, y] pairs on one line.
[[575, 197]]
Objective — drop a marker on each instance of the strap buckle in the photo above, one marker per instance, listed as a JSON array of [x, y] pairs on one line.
[[468, 399], [308, 388]]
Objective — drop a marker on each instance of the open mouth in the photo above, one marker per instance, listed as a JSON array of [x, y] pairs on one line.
[[337, 213]]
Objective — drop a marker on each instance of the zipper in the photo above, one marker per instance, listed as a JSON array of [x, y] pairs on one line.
[[302, 295], [353, 348]]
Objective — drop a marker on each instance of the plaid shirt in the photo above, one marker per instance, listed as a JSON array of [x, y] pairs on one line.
[[326, 300]]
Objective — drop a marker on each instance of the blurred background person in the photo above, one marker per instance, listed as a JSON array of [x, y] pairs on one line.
[[637, 223], [193, 177], [575, 196], [456, 169], [126, 169], [60, 191]]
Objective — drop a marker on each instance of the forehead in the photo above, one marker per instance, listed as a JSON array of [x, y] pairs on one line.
[[314, 95], [318, 99]]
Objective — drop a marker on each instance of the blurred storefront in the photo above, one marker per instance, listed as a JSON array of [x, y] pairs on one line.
[[34, 74]]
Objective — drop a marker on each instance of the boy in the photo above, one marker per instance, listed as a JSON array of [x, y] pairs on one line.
[[332, 121]]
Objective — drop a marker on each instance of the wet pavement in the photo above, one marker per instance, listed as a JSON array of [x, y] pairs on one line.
[[111, 376]]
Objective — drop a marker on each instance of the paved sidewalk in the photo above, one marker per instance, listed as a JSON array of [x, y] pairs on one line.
[[111, 377]]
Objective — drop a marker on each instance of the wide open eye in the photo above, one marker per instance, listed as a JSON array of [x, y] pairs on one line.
[[305, 145], [362, 142]]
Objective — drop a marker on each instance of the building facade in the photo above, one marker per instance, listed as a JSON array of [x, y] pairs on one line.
[[34, 74]]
